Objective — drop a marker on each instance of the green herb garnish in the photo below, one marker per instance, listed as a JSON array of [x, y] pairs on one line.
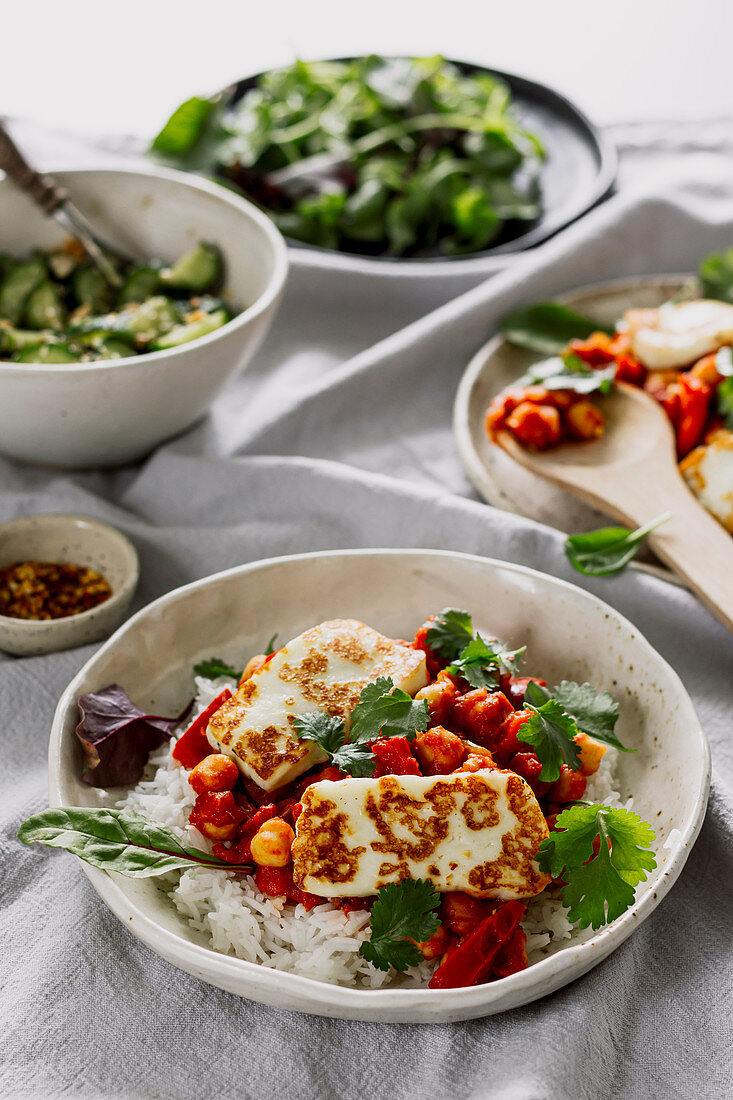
[[352, 757], [598, 887], [548, 327], [551, 732], [609, 549], [213, 667], [403, 911], [384, 711], [716, 276], [481, 662], [116, 840], [569, 372], [450, 633], [724, 398], [373, 155]]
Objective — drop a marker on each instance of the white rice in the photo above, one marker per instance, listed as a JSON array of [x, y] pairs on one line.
[[230, 915]]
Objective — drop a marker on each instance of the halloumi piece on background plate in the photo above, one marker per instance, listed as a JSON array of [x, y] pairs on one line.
[[708, 470], [326, 668], [478, 832]]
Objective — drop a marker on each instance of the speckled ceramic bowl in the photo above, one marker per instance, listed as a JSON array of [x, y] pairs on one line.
[[569, 633], [82, 540]]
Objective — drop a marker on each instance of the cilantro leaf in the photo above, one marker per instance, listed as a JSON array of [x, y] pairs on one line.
[[403, 911], [214, 667], [387, 712], [724, 398], [325, 730], [551, 732], [355, 759], [607, 550], [595, 712], [270, 648], [450, 633], [598, 887], [716, 275], [480, 662], [569, 372]]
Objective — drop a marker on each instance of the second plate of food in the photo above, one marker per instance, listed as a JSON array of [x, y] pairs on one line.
[[432, 901]]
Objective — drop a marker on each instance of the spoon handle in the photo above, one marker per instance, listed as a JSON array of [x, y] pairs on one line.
[[694, 544], [43, 190]]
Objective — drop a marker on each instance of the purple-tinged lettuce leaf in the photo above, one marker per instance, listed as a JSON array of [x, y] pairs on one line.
[[117, 737]]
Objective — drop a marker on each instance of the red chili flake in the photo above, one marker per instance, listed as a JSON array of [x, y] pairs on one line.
[[50, 589]]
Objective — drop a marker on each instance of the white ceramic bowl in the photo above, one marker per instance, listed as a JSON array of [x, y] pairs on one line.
[[569, 634], [103, 414], [81, 540]]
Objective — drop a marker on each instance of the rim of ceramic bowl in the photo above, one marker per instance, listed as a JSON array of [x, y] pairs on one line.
[[527, 985], [194, 183], [71, 521]]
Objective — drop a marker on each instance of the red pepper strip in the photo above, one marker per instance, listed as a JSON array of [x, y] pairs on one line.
[[192, 747], [471, 961], [513, 955]]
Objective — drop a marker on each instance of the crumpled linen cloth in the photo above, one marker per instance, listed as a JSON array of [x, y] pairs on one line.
[[340, 444]]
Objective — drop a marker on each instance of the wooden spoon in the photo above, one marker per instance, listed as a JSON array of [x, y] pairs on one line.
[[631, 473]]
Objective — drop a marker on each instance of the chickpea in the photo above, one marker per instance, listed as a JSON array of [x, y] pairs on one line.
[[214, 773], [254, 664], [706, 370], [270, 846], [440, 697], [584, 420], [436, 945], [439, 751]]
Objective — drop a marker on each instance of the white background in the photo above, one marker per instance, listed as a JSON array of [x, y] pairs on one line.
[[98, 66]]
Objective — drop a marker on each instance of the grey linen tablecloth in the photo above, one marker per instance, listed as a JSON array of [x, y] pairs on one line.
[[312, 449]]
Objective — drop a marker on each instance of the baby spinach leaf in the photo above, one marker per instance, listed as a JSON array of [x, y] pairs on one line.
[[609, 549], [548, 327], [716, 275]]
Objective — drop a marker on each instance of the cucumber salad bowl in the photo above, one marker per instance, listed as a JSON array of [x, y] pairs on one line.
[[91, 377]]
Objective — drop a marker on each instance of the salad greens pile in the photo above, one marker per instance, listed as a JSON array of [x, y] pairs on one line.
[[56, 307], [397, 156]]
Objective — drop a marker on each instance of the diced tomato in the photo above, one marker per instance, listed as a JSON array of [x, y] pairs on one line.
[[512, 957], [507, 742], [596, 351], [569, 787], [277, 882], [330, 773], [439, 751], [529, 767], [629, 369], [694, 397], [191, 748], [461, 913], [394, 757], [353, 905], [478, 762], [217, 815], [433, 662], [240, 852], [471, 961], [480, 714]]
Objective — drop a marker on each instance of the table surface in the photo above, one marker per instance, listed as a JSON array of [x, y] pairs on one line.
[[626, 61]]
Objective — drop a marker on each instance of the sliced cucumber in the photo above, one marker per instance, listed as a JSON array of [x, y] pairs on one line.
[[92, 289], [15, 339], [193, 330], [47, 353], [199, 270], [139, 285], [113, 349], [144, 322], [18, 285], [45, 308]]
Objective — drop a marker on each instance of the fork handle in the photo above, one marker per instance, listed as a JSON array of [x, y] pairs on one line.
[[42, 189]]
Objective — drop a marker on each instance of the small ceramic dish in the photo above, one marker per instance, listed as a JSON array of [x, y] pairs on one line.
[[569, 634], [497, 365], [81, 540]]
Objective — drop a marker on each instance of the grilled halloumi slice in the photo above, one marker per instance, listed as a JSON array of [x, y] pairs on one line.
[[678, 333], [326, 668], [708, 470], [473, 831]]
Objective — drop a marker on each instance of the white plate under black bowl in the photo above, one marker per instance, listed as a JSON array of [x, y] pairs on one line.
[[579, 170]]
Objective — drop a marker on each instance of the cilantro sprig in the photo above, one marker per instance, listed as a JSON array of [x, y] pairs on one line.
[[386, 711], [382, 711], [330, 733], [403, 912], [598, 886], [471, 656], [482, 661], [594, 712], [213, 667]]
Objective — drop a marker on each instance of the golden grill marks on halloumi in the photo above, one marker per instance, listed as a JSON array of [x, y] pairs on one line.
[[477, 832], [325, 669]]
